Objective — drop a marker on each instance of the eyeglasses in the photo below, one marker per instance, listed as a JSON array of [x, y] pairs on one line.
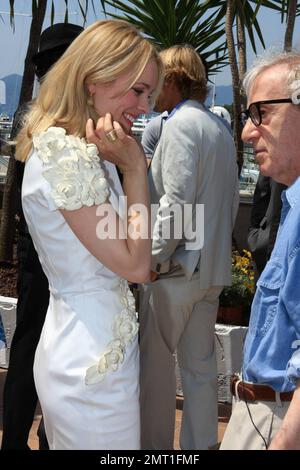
[[254, 112]]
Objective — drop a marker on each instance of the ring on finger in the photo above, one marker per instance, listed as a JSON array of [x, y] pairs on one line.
[[112, 136]]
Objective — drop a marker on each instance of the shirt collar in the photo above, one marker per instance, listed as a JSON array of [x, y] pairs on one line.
[[178, 105], [292, 194]]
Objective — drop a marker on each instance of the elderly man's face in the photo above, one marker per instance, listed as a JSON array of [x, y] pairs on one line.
[[276, 141]]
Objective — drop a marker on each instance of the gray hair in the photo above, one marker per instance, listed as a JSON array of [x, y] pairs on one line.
[[271, 58]]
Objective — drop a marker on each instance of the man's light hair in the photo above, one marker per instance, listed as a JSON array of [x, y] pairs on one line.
[[184, 66], [271, 58]]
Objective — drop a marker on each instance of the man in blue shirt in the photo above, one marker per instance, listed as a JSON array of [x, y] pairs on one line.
[[266, 413]]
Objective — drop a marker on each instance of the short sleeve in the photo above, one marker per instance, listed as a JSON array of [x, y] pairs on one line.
[[72, 169]]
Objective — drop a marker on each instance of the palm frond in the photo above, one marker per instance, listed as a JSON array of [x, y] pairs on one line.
[[12, 14], [169, 22], [52, 12], [246, 14], [83, 9]]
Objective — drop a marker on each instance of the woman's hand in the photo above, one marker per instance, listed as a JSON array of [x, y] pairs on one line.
[[124, 151], [128, 257]]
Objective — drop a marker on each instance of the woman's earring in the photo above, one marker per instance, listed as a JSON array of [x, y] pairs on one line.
[[90, 100]]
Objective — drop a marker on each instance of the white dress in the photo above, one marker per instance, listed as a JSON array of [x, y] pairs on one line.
[[86, 366]]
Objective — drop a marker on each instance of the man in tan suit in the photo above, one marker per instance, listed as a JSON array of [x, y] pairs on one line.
[[193, 167]]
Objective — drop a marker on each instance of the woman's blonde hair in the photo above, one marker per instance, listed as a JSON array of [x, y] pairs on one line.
[[100, 54], [184, 66]]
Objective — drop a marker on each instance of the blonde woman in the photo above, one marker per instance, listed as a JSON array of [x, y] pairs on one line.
[[86, 364]]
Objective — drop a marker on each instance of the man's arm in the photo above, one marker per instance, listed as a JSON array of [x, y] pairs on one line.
[[152, 133], [258, 232], [265, 218], [274, 213], [179, 166], [288, 436]]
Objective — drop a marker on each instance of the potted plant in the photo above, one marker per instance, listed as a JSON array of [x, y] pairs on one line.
[[235, 300]]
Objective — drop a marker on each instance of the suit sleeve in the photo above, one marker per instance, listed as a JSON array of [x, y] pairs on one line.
[[179, 166], [258, 233]]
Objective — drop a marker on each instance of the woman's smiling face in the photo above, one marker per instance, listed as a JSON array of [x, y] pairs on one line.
[[126, 107]]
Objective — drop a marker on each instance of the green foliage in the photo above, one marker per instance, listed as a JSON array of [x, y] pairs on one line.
[[246, 14], [82, 4], [281, 6], [169, 22]]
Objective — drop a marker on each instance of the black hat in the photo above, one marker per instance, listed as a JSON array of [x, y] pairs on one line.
[[56, 38]]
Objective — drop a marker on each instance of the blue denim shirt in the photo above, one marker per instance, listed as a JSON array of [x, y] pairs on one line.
[[272, 346]]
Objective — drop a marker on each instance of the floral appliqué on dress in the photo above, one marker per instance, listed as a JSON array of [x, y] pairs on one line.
[[125, 328], [76, 179], [73, 169]]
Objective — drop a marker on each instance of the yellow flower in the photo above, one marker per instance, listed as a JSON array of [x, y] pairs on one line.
[[241, 292]]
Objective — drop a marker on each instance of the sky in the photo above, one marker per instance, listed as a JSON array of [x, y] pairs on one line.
[[13, 45]]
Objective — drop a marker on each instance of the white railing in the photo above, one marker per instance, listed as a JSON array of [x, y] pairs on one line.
[[8, 307], [4, 160]]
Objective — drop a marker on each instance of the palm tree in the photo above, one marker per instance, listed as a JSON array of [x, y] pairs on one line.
[[290, 9], [293, 11], [244, 16], [237, 130], [169, 22], [7, 227], [290, 23]]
